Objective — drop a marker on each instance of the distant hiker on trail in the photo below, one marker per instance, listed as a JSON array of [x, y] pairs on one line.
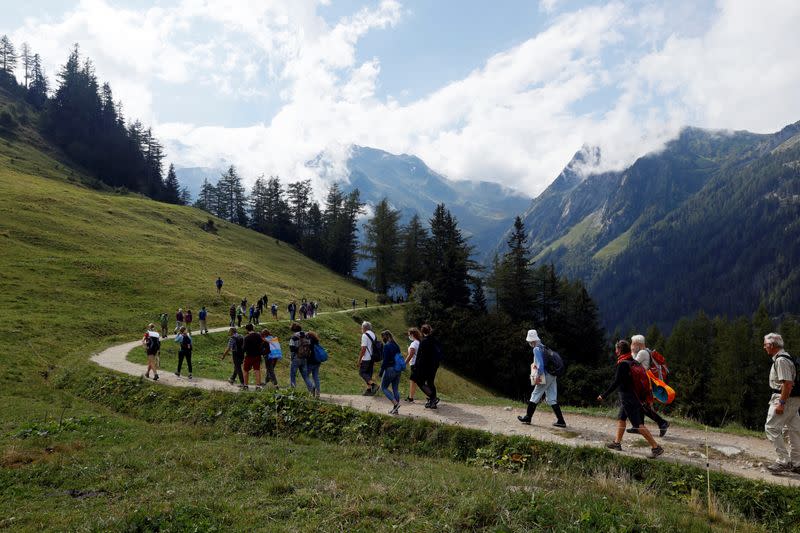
[[390, 371], [256, 315], [232, 313], [252, 355], [244, 304], [354, 304], [313, 363], [304, 310], [365, 302], [414, 337], [366, 361], [260, 305], [178, 320], [429, 357], [626, 379], [219, 285], [265, 299], [184, 339], [639, 347], [236, 349], [152, 345], [164, 319], [292, 308], [239, 315], [545, 384], [783, 419], [300, 349], [187, 318], [274, 310], [203, 316], [272, 354], [250, 314]]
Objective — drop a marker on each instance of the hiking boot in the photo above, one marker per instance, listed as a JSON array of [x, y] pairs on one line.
[[244, 387], [434, 403], [655, 452], [409, 399], [177, 374], [155, 378], [560, 424], [230, 381], [632, 430], [614, 446], [396, 409], [190, 376], [374, 388], [779, 468], [662, 428], [368, 392], [524, 419]]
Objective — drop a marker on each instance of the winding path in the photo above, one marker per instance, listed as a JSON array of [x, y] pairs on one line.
[[734, 454]]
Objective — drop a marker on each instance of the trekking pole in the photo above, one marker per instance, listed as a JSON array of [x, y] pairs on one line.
[[708, 475]]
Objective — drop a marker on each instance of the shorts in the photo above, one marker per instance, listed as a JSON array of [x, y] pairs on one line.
[[252, 363], [630, 409]]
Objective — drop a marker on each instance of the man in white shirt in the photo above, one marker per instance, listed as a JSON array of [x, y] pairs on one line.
[[642, 355], [366, 363], [783, 419]]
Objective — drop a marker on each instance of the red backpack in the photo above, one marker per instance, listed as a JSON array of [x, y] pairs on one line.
[[641, 382], [658, 365]]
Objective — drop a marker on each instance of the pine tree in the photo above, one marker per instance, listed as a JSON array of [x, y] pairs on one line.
[[382, 245], [37, 91], [8, 56], [514, 283], [231, 197], [299, 200], [478, 299], [27, 59], [412, 246], [172, 188], [447, 259], [207, 199], [258, 205]]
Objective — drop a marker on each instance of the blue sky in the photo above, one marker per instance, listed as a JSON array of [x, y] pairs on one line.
[[505, 91]]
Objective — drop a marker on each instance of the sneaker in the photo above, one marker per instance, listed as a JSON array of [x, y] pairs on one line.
[[244, 387], [230, 381], [368, 392], [177, 374], [655, 452], [409, 399], [662, 428], [779, 468], [434, 403], [155, 378], [524, 420], [374, 388], [428, 404], [560, 424], [632, 430], [396, 409], [258, 387], [190, 376], [614, 446]]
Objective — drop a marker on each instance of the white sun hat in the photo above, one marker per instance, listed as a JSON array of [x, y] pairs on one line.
[[532, 336]]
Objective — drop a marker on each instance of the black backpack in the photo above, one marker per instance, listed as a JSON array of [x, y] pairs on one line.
[[377, 347], [796, 388], [553, 363], [153, 345], [186, 344]]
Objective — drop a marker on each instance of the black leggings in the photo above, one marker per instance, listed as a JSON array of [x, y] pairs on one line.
[[426, 381], [184, 355], [237, 369], [270, 366], [647, 410]]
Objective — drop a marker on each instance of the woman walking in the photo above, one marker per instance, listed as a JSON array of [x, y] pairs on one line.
[[389, 374], [414, 336], [313, 364], [428, 358], [273, 354], [188, 319], [185, 351]]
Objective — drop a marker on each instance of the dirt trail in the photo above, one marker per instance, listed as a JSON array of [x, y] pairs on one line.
[[734, 454]]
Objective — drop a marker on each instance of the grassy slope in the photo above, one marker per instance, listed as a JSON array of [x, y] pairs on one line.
[[83, 269]]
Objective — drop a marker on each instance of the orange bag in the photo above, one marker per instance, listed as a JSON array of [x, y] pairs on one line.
[[661, 391]]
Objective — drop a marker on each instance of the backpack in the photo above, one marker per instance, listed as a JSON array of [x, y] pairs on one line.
[[186, 343], [658, 364], [796, 388], [641, 382], [399, 362], [553, 363], [304, 348], [239, 350], [377, 347], [153, 344], [320, 355], [203, 314]]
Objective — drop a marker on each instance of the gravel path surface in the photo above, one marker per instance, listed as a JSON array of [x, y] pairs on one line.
[[739, 455]]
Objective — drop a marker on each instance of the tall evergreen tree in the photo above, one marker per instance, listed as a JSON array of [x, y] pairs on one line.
[[207, 199], [231, 197], [172, 188], [258, 205], [299, 200], [514, 284], [8, 56], [37, 90], [447, 259], [27, 62], [382, 245], [412, 246]]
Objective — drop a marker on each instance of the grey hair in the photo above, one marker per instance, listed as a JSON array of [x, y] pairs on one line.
[[366, 325], [638, 339], [774, 339]]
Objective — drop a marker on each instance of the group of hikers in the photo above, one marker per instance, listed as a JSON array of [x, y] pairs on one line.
[[237, 313], [184, 319], [637, 369]]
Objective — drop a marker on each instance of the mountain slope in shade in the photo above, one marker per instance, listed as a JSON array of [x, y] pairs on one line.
[[651, 214]]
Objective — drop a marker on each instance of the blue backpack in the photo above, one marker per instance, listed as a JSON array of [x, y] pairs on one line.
[[399, 362], [320, 355]]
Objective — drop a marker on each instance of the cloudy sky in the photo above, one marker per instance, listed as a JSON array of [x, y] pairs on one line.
[[503, 91]]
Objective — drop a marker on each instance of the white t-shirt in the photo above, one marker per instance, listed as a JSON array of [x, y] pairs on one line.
[[414, 346], [644, 358], [366, 341]]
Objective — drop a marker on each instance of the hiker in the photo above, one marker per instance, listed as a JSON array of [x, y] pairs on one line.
[[232, 313], [429, 356], [256, 315], [630, 403], [236, 349], [366, 364], [260, 305], [184, 339], [178, 320], [639, 347], [219, 285], [152, 345], [354, 304], [187, 319], [252, 355], [292, 308], [300, 348], [545, 385], [365, 302], [314, 364], [239, 315], [389, 373], [304, 310], [250, 313], [203, 316], [272, 353], [164, 319], [274, 310], [414, 337], [783, 419], [266, 300]]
